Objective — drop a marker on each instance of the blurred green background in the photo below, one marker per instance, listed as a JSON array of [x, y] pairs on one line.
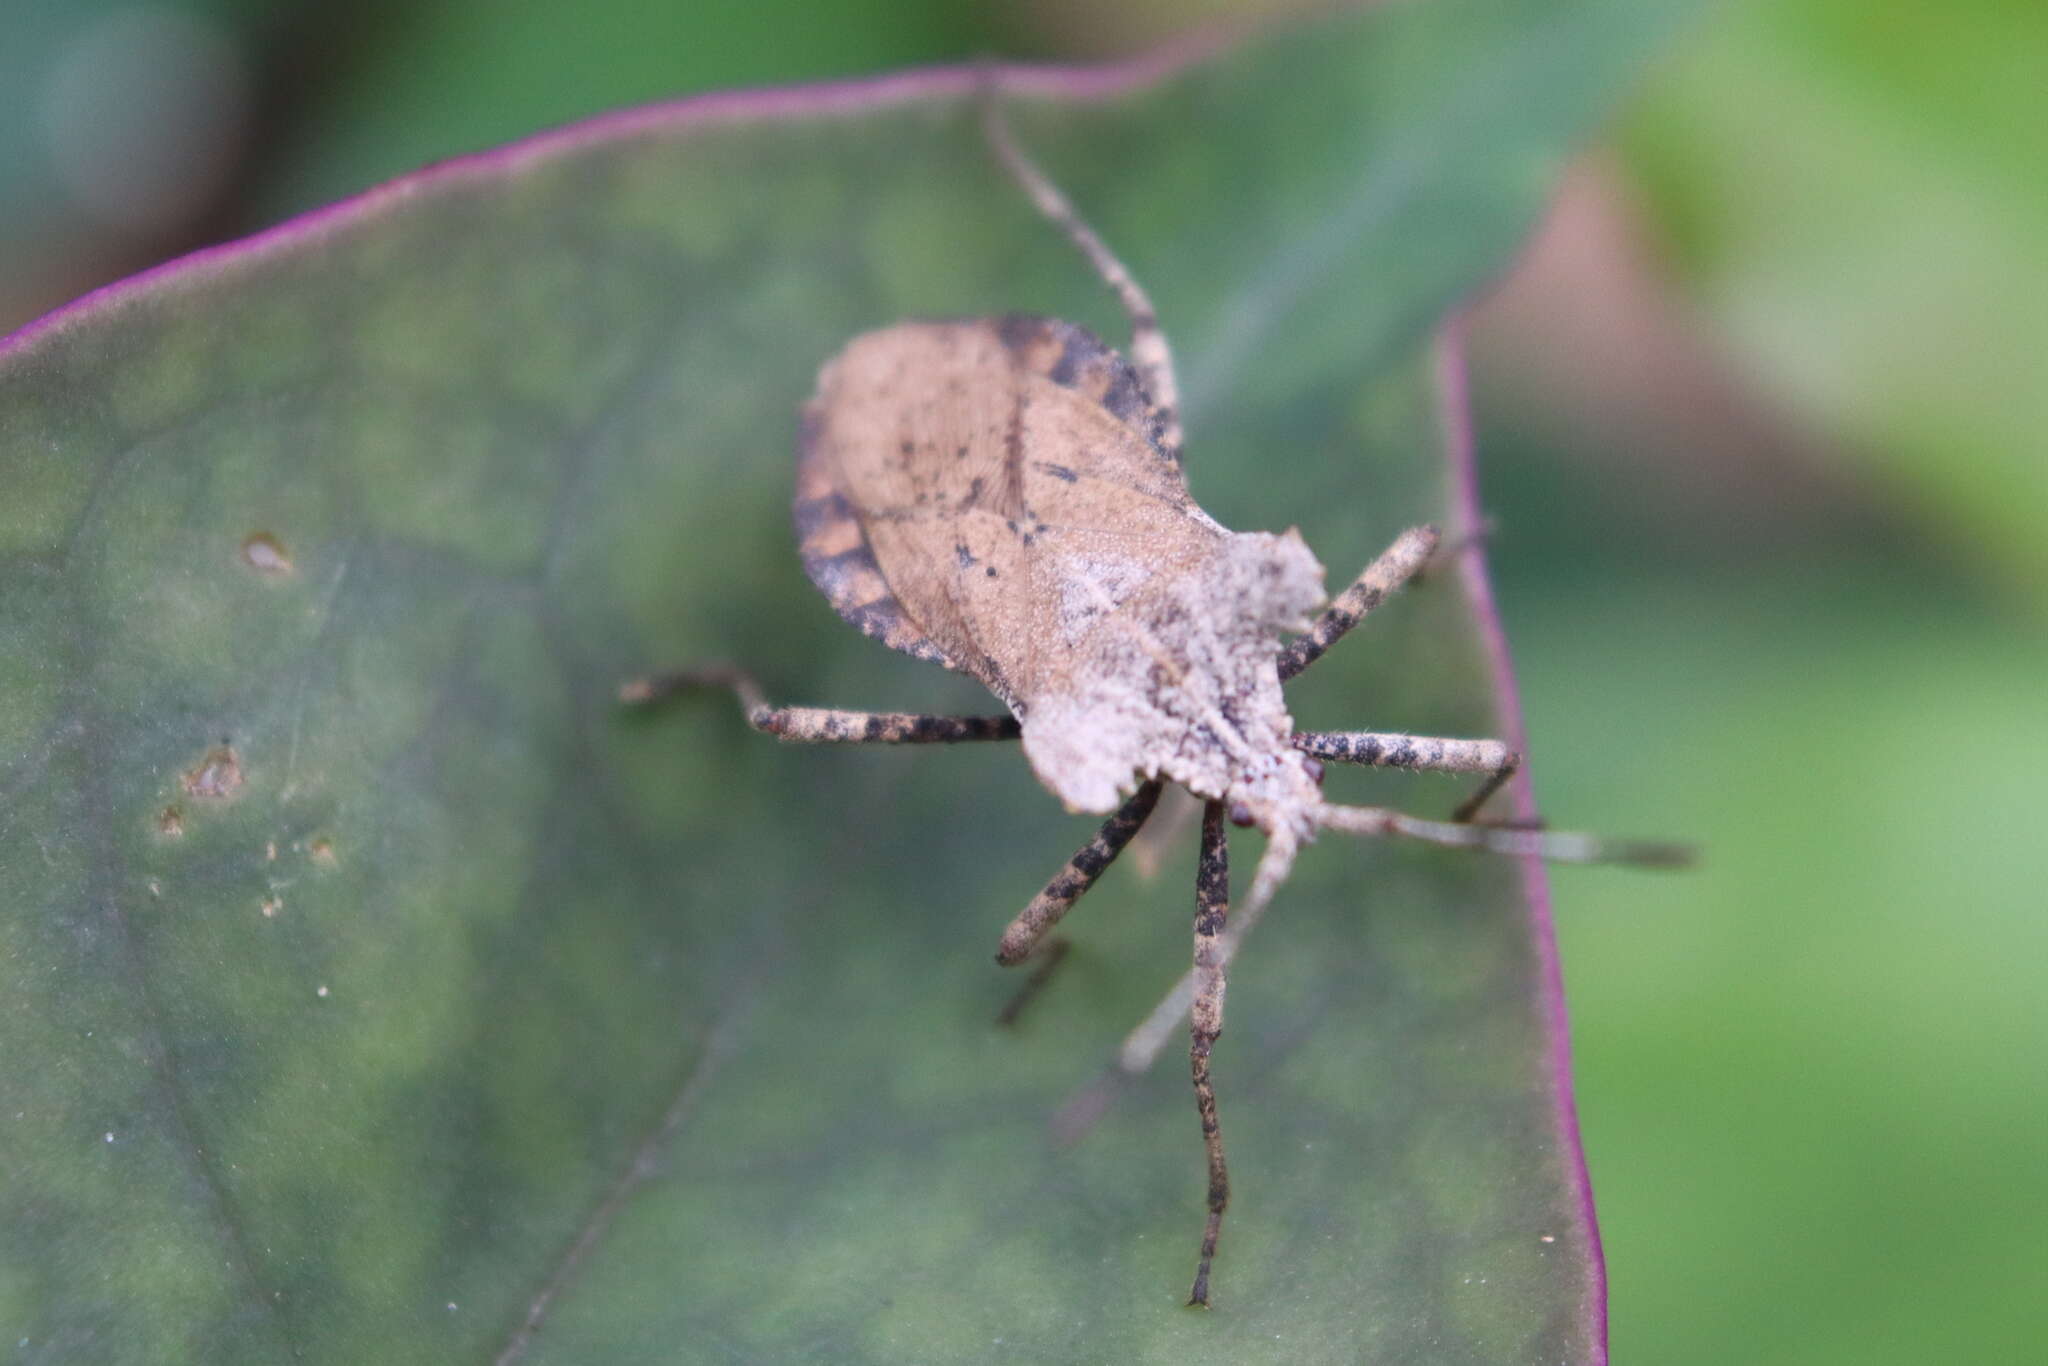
[[1762, 413]]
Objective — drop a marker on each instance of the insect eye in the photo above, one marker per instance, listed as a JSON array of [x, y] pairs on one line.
[[1315, 769], [1240, 814]]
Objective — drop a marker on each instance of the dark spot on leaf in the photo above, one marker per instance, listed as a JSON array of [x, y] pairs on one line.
[[217, 774], [265, 554]]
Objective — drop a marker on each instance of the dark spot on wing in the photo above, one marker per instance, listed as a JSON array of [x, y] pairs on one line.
[[839, 567], [1067, 368], [813, 515], [1020, 332], [1088, 366], [1057, 471], [1161, 420], [1126, 398], [965, 556]]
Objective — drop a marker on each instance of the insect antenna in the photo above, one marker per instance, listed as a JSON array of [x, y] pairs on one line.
[[1150, 354]]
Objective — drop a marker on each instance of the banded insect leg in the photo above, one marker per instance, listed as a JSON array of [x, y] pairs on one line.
[[1418, 753], [1205, 1023], [819, 725], [1025, 939], [1396, 565], [1072, 882]]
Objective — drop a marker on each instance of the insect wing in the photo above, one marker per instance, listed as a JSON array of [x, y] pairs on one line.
[[984, 491]]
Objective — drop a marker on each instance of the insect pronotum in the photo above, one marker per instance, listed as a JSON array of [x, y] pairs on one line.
[[1004, 496]]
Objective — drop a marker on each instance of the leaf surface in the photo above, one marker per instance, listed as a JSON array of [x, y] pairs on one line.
[[378, 990]]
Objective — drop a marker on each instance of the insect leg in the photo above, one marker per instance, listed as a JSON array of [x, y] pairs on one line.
[[1046, 959], [1073, 881], [1423, 753], [1141, 1047], [1205, 1023], [1149, 352], [820, 725], [1397, 564], [1558, 846], [1450, 550], [1468, 810]]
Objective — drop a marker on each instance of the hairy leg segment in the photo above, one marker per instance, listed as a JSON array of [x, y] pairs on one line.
[[819, 725]]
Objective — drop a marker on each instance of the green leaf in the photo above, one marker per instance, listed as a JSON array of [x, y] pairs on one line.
[[461, 1001]]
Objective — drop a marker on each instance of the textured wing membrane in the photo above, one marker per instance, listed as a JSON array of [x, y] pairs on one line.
[[977, 492], [838, 559]]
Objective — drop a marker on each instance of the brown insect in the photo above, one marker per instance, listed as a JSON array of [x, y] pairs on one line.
[[1004, 496]]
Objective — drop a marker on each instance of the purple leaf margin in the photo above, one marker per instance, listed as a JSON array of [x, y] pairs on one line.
[[1074, 83], [1452, 380]]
